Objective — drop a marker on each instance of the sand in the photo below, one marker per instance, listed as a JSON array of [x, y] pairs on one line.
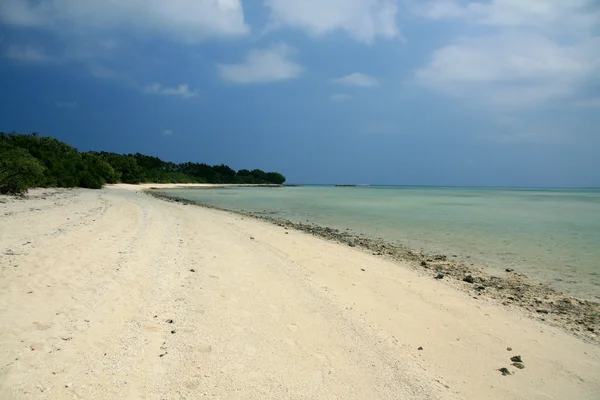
[[116, 294]]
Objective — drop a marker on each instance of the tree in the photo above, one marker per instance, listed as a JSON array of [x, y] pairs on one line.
[[33, 160], [18, 170], [274, 177]]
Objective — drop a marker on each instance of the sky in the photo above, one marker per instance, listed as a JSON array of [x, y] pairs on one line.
[[447, 92]]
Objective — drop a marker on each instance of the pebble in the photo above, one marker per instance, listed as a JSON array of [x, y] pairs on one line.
[[440, 276], [519, 365], [505, 371], [516, 359]]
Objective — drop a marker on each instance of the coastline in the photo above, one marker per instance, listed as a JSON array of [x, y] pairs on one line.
[[580, 317], [116, 294]]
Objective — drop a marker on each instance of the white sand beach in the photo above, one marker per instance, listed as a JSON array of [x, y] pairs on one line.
[[114, 294]]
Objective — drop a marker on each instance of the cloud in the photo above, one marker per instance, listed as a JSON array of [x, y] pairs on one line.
[[168, 132], [364, 20], [263, 66], [182, 90], [540, 14], [340, 97], [180, 20], [535, 52], [356, 79], [66, 104], [28, 54]]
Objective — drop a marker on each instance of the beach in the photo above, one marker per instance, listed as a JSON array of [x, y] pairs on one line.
[[116, 294]]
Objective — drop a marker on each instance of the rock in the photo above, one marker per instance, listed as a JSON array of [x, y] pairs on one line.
[[351, 244], [469, 279], [170, 321], [505, 371], [542, 311], [516, 359], [420, 348], [192, 270], [362, 269], [252, 237], [509, 349], [519, 365], [509, 270], [173, 331], [439, 276], [480, 288], [423, 263]]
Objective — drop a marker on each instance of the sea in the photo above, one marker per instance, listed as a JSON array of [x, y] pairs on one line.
[[551, 235]]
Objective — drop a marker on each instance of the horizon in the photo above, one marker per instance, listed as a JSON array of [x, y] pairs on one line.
[[491, 93]]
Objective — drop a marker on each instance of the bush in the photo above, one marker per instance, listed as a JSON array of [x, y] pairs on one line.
[[18, 170]]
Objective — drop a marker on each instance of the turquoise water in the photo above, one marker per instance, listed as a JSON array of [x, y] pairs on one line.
[[551, 235]]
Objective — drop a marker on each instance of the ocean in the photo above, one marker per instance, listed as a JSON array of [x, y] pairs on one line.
[[551, 235]]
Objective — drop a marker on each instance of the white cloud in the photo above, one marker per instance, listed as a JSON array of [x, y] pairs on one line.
[[538, 51], [540, 14], [168, 132], [356, 79], [340, 97], [182, 90], [182, 20], [27, 54], [263, 66], [364, 20]]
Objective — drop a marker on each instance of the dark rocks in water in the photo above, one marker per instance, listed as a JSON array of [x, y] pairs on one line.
[[505, 371], [469, 279], [439, 276], [519, 365], [516, 359]]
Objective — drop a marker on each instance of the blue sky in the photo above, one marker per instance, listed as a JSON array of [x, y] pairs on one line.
[[496, 92]]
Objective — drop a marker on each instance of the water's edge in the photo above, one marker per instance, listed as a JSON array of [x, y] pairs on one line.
[[580, 317]]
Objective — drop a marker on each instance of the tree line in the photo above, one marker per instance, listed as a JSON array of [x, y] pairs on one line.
[[31, 160]]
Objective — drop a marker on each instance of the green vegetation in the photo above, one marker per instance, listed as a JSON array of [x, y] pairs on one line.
[[37, 161]]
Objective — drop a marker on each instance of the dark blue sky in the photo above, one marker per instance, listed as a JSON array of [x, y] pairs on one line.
[[502, 92]]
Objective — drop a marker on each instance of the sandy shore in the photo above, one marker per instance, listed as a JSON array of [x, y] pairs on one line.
[[115, 294]]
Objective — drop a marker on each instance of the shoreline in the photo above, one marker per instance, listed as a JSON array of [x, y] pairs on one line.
[[579, 317], [113, 293]]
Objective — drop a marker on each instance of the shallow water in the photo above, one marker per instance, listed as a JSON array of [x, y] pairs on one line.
[[552, 235]]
